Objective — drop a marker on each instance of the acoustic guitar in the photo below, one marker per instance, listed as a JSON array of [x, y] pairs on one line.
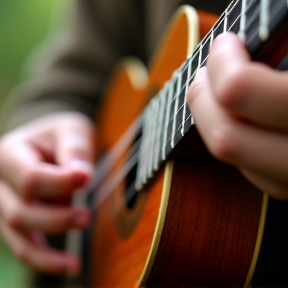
[[165, 212]]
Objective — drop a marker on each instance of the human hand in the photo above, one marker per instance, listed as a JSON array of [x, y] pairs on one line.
[[41, 164], [240, 109]]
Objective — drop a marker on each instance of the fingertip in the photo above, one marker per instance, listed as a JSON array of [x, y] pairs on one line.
[[227, 47], [73, 267], [82, 219], [64, 264], [200, 74], [81, 165], [83, 170], [228, 38]]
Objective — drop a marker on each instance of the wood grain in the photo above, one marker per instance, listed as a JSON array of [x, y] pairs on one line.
[[213, 213]]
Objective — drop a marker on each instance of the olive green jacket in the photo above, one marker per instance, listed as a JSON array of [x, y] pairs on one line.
[[67, 73]]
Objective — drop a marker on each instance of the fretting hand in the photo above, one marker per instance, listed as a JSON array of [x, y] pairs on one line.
[[241, 111]]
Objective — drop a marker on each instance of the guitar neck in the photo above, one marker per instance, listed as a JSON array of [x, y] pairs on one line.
[[167, 118]]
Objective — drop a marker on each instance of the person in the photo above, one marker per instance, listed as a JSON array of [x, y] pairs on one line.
[[46, 150]]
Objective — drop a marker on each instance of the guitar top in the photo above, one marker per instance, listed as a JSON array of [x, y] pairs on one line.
[[166, 214]]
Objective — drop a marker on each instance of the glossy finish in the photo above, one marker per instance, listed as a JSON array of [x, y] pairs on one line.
[[211, 222]]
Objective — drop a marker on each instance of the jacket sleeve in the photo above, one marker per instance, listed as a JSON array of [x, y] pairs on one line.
[[68, 71]]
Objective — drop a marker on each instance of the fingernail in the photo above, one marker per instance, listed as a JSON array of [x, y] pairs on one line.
[[82, 165]]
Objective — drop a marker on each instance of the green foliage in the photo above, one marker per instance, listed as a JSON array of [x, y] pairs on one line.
[[23, 24]]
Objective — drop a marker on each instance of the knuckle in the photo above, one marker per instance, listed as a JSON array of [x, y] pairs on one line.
[[76, 119], [221, 143], [21, 252], [14, 217], [63, 220], [231, 90], [28, 182]]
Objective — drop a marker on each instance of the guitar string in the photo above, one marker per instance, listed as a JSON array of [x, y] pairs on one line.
[[105, 164], [121, 175], [264, 4], [210, 35], [190, 80], [198, 49], [201, 44], [105, 189], [244, 12], [124, 171]]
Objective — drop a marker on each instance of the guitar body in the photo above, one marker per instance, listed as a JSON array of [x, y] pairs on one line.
[[198, 223]]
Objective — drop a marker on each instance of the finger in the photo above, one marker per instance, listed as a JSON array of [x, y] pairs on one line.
[[272, 187], [27, 249], [75, 141], [50, 219], [234, 141], [251, 90], [31, 177]]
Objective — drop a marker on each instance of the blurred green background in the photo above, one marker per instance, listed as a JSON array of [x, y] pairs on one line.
[[23, 24]]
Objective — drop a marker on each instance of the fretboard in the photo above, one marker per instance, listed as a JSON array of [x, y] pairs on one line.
[[167, 118]]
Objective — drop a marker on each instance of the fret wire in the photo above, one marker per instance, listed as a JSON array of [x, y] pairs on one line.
[[241, 33], [163, 94], [169, 100], [176, 96], [186, 91], [198, 52], [241, 26], [154, 125], [151, 138], [212, 35], [144, 156], [225, 20], [234, 13], [147, 141], [192, 78], [187, 87], [189, 60], [179, 71], [264, 20], [149, 144], [230, 28], [178, 75], [200, 57], [141, 158], [143, 151], [227, 12], [152, 134]]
